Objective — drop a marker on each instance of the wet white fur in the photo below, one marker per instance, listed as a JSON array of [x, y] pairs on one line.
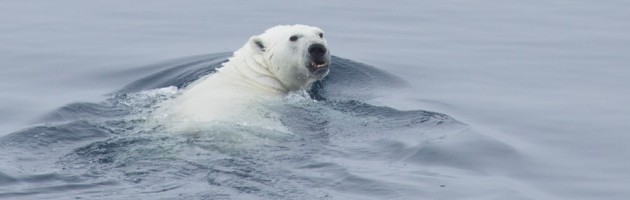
[[250, 77]]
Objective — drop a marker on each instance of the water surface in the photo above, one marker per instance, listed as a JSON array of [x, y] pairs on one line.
[[540, 87]]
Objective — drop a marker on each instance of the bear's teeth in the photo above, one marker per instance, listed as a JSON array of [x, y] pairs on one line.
[[315, 65]]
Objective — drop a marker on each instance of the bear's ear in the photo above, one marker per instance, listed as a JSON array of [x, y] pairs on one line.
[[256, 43]]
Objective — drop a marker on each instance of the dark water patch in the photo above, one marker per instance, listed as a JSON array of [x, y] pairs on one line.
[[27, 186], [6, 179], [103, 152], [353, 80], [50, 177], [54, 135], [342, 116], [390, 117], [118, 107], [28, 193], [178, 73], [86, 111]]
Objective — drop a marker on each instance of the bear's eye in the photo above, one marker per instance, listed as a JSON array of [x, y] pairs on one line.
[[321, 35], [293, 38]]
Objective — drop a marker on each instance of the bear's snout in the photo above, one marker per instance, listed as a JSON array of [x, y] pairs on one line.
[[319, 60], [317, 50]]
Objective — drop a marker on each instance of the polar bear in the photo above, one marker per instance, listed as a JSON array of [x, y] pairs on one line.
[[282, 60]]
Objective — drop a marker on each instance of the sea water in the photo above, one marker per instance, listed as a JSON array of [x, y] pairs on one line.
[[494, 99]]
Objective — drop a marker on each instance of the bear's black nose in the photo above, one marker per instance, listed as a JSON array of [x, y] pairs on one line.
[[317, 50]]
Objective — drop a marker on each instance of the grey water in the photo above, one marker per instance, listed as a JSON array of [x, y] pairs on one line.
[[465, 100]]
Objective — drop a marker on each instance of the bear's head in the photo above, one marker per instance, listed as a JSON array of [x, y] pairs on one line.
[[297, 55]]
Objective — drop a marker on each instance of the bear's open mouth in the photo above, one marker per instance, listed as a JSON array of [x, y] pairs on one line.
[[319, 64], [318, 67]]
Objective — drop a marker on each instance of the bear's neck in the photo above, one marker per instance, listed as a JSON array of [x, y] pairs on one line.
[[252, 71]]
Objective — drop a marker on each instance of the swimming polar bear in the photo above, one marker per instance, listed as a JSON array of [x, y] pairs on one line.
[[282, 60]]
